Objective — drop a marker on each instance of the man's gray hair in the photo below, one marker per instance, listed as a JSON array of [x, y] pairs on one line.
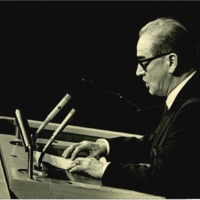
[[165, 34], [168, 35]]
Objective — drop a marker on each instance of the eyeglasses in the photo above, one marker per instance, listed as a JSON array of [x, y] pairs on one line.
[[145, 62]]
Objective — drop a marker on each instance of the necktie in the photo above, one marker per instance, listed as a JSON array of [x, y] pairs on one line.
[[165, 109]]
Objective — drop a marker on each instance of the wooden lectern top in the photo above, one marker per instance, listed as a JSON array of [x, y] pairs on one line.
[[59, 184]]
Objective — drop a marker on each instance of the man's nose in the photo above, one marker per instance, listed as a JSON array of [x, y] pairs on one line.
[[140, 71]]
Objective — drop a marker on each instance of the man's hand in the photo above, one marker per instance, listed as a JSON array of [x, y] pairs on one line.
[[93, 149], [88, 165]]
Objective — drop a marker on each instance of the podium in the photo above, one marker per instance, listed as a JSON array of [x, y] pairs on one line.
[[59, 184]]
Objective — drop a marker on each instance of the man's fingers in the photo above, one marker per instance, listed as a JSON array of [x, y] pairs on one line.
[[73, 150], [76, 165], [73, 164], [75, 169], [79, 148], [67, 153]]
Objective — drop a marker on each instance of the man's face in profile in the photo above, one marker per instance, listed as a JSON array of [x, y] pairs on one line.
[[156, 75]]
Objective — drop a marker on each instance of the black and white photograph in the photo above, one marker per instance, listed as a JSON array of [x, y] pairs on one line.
[[99, 99]]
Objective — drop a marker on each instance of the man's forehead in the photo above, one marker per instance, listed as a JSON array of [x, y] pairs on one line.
[[144, 46]]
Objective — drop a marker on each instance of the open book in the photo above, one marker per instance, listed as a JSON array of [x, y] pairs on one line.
[[56, 161]]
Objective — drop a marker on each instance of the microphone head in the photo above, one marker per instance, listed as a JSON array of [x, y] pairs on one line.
[[53, 113]]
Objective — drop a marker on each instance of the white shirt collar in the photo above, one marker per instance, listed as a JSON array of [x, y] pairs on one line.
[[172, 96]]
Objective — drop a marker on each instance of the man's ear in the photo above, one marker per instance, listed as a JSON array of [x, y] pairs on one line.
[[173, 62]]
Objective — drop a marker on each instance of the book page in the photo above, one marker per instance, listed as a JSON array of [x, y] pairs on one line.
[[56, 161]]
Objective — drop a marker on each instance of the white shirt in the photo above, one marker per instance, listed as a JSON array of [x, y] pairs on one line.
[[172, 96]]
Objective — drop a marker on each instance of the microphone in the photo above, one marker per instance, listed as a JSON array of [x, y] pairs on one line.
[[53, 113], [55, 135], [23, 128]]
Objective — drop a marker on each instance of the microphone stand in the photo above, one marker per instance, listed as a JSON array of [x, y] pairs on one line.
[[22, 125], [54, 136], [30, 162]]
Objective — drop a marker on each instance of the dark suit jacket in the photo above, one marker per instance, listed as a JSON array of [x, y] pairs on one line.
[[173, 152]]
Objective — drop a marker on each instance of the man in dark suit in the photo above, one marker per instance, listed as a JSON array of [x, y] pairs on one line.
[[165, 162]]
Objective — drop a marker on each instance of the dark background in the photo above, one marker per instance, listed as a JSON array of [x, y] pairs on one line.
[[86, 49]]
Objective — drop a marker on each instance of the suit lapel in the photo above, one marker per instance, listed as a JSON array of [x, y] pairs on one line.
[[161, 133]]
